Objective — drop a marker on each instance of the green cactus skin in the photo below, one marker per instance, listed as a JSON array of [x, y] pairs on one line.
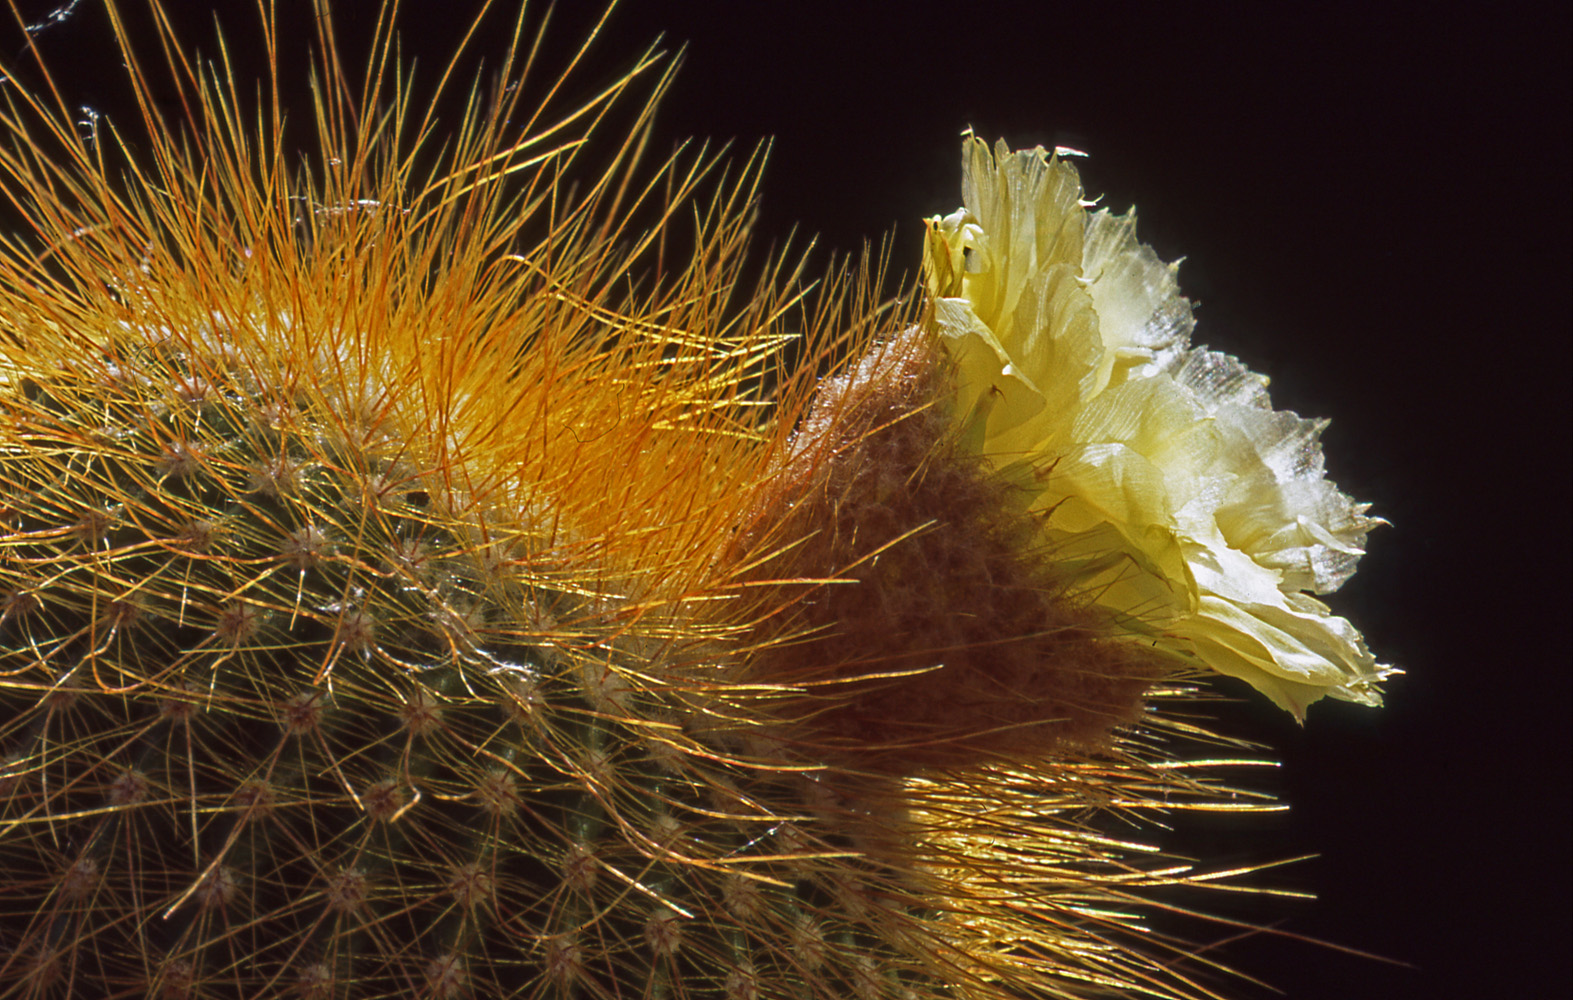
[[272, 722], [411, 603], [276, 720]]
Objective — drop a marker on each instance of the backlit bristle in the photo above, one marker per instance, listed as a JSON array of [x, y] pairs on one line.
[[925, 630], [436, 571]]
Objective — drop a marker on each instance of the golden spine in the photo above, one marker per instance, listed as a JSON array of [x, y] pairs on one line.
[[423, 574]]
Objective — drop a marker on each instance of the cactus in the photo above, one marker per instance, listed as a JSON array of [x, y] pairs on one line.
[[416, 584]]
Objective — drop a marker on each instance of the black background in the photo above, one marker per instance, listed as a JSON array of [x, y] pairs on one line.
[[1373, 207]]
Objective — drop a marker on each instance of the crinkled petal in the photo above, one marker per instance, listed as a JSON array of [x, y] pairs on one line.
[[1294, 656], [1172, 492], [1285, 513], [1144, 322]]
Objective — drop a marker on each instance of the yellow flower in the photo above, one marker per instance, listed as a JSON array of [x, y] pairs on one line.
[[1170, 490]]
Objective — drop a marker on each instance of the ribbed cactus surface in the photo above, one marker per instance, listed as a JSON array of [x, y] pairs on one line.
[[274, 719], [424, 576]]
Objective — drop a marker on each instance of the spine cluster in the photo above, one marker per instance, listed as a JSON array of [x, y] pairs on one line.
[[441, 585], [276, 719], [928, 631]]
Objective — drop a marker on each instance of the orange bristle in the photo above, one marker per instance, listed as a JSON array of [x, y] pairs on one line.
[[438, 569]]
